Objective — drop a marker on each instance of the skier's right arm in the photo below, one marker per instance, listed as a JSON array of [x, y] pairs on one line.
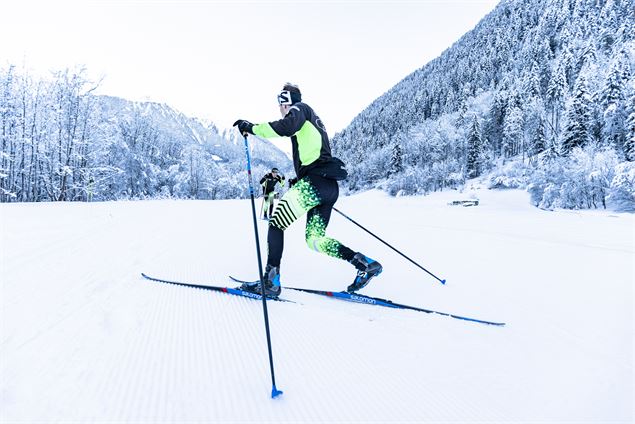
[[284, 127]]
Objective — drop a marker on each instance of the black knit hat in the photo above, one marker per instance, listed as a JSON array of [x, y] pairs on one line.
[[290, 94]]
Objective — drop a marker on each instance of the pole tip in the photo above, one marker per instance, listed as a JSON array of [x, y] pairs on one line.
[[443, 282], [275, 392]]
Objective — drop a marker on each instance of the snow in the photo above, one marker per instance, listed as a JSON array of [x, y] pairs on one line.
[[84, 338]]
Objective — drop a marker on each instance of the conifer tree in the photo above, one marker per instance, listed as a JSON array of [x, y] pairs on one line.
[[396, 164], [613, 108], [475, 149], [513, 132], [493, 128], [576, 134], [608, 26], [556, 91], [538, 141], [532, 84], [629, 144]]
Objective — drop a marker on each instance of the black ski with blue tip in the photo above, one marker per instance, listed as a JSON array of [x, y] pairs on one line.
[[369, 300], [228, 290]]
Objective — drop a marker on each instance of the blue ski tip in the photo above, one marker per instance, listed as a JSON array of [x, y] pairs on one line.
[[275, 392]]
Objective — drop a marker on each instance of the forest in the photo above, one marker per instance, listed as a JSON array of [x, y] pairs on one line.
[[540, 95]]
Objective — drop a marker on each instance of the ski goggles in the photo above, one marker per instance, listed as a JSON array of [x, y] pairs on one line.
[[284, 98]]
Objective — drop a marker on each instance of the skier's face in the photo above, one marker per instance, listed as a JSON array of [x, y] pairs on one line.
[[284, 109]]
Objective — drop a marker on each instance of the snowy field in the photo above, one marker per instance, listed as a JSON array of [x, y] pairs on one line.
[[85, 339]]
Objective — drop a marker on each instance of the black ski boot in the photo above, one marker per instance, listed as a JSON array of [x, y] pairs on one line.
[[367, 268], [272, 283]]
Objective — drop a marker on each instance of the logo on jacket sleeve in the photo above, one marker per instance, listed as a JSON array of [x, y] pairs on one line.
[[320, 125]]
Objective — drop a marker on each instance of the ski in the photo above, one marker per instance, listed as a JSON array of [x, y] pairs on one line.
[[369, 300], [228, 290], [239, 281]]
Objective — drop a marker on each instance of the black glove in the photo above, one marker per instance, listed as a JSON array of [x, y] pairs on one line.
[[292, 181], [244, 126]]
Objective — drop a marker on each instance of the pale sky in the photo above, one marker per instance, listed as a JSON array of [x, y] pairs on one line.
[[224, 60]]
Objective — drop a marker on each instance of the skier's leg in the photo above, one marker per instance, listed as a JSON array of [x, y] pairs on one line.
[[318, 219], [262, 208], [272, 203], [296, 202], [316, 239], [316, 196], [267, 202]]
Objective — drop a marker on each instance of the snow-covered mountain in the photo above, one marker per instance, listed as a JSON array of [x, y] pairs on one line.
[[550, 82], [171, 122], [60, 142], [226, 145]]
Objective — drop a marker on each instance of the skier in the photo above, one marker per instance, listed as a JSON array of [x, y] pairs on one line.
[[314, 191], [268, 183], [91, 187]]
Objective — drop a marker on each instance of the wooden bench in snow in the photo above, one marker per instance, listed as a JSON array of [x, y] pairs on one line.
[[464, 202]]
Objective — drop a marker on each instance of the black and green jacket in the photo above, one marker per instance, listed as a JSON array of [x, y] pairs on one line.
[[268, 182], [309, 141]]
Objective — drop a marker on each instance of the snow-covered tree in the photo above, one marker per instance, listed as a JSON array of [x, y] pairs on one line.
[[396, 160], [513, 134], [612, 104], [493, 127], [60, 142], [576, 133], [475, 149], [533, 85], [622, 189], [556, 91], [538, 143], [608, 26], [629, 143]]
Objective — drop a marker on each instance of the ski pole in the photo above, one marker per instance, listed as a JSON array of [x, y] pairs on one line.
[[274, 391], [262, 208], [369, 232]]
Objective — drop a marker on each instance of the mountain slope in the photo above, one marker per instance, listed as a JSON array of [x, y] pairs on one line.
[[534, 79], [176, 125], [179, 153]]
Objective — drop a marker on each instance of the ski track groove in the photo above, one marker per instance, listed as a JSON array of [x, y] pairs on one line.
[[140, 358], [157, 350], [172, 354], [140, 355], [123, 384], [294, 347]]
